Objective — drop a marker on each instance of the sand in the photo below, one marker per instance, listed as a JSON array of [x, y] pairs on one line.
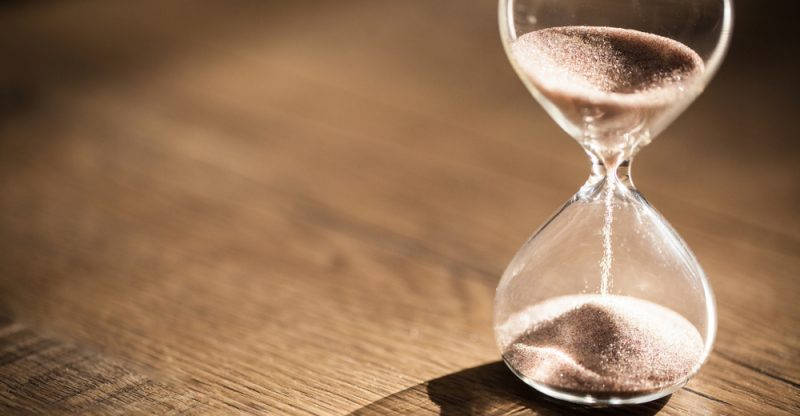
[[602, 345], [606, 65]]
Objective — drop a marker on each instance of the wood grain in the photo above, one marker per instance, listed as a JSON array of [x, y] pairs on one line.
[[47, 376], [217, 208]]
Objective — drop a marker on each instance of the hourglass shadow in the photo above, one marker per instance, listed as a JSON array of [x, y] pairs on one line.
[[489, 389]]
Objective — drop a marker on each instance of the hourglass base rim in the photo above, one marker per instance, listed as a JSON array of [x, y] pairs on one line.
[[599, 398]]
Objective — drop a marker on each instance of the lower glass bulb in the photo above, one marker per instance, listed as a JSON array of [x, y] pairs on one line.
[[605, 303]]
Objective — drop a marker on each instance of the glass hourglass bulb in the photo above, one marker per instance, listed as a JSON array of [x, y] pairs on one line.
[[605, 303]]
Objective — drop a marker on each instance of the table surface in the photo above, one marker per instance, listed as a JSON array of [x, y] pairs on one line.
[[304, 208]]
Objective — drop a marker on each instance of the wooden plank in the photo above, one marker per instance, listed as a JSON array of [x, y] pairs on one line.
[[181, 177]]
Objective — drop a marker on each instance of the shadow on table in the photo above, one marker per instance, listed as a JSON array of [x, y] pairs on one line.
[[489, 389]]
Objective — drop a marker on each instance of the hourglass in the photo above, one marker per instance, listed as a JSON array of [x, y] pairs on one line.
[[605, 303]]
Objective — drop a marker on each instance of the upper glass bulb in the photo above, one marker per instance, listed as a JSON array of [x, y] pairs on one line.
[[614, 73]]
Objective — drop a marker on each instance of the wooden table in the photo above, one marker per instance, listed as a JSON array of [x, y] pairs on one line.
[[304, 207]]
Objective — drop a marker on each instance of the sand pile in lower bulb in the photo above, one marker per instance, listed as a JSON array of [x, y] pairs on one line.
[[596, 344]]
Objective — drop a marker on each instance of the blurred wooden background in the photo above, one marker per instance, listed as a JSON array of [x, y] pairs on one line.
[[304, 207]]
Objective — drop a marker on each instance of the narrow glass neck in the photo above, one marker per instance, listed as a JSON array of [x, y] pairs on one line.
[[613, 173], [620, 173]]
